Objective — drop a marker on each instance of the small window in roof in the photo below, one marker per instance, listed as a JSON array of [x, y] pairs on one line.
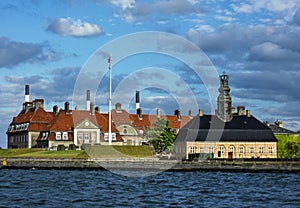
[[58, 136]]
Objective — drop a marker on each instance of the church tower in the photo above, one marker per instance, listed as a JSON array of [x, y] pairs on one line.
[[224, 99]]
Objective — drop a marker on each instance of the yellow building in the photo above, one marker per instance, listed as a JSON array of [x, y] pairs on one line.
[[228, 134]]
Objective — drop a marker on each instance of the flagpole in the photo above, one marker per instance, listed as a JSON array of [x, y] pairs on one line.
[[109, 105]]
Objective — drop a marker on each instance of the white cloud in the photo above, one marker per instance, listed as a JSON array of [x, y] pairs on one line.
[[205, 28], [132, 11], [224, 18], [75, 28], [269, 51], [271, 5], [123, 4]]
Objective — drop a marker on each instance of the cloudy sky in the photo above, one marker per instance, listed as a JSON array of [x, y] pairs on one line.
[[46, 44]]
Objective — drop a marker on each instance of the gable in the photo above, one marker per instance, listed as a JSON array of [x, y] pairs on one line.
[[86, 124]]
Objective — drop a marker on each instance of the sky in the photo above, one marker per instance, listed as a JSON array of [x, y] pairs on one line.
[[60, 48]]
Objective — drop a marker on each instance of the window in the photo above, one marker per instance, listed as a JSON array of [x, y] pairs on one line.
[[86, 138], [65, 136], [192, 149], [211, 149], [252, 150], [241, 149], [58, 136], [80, 136], [261, 149], [222, 149], [270, 150], [113, 137], [201, 149], [231, 149]]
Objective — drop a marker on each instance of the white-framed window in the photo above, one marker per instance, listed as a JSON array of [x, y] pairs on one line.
[[113, 137], [192, 149], [86, 138], [79, 136], [211, 149], [270, 150], [58, 136], [65, 136], [222, 149], [202, 150], [231, 149], [241, 149], [261, 149], [252, 150], [125, 130]]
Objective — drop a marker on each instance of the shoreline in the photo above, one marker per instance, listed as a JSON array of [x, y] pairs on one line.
[[151, 164]]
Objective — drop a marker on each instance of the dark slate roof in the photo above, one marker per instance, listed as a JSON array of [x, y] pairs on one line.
[[280, 130], [211, 128]]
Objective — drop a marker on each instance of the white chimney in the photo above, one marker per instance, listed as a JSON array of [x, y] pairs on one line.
[[88, 100], [27, 93]]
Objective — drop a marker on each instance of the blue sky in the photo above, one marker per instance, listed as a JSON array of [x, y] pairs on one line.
[[46, 44]]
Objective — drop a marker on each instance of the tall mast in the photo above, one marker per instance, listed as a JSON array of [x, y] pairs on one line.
[[109, 105]]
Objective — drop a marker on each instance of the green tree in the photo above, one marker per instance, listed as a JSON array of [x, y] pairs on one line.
[[161, 136], [293, 149]]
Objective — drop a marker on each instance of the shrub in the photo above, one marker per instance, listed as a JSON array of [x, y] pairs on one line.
[[61, 147], [72, 147]]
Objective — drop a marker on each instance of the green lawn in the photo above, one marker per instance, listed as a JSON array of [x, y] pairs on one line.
[[104, 151], [100, 151], [41, 153]]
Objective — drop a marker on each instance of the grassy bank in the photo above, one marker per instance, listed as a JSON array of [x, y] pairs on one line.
[[92, 151], [41, 153], [103, 151]]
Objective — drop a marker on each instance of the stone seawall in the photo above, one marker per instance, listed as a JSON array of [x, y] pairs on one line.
[[151, 164]]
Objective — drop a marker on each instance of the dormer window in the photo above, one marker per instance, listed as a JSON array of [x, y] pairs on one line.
[[58, 136], [65, 136]]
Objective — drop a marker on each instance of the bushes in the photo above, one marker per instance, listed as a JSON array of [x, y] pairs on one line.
[[72, 147], [288, 146], [61, 147]]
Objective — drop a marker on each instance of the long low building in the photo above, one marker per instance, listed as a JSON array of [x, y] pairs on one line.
[[36, 127]]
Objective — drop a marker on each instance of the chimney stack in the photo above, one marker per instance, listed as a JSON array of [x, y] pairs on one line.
[[92, 109], [200, 112], [232, 110], [158, 113], [241, 110], [190, 113], [67, 107], [267, 123], [97, 108], [248, 112], [88, 100], [137, 100], [177, 114], [27, 93], [55, 110], [139, 113], [118, 107], [278, 123]]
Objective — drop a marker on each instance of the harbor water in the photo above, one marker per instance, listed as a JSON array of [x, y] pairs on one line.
[[100, 188]]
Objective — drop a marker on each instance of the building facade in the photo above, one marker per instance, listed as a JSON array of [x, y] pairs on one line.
[[35, 127], [227, 134]]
